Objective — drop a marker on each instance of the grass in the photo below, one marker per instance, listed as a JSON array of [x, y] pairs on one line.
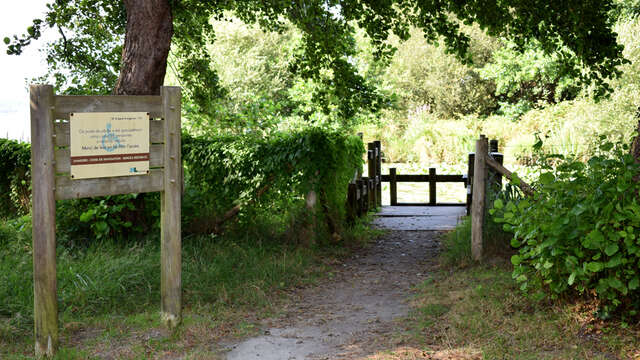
[[109, 296], [479, 312]]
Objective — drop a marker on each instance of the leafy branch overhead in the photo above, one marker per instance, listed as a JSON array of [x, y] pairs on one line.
[[89, 56]]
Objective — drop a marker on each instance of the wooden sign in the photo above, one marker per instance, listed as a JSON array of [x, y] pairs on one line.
[[74, 139], [109, 144]]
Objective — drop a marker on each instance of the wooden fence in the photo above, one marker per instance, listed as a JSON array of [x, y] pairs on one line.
[[365, 192]]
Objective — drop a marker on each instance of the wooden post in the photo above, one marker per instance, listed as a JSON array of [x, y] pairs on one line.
[[478, 201], [45, 302], [497, 177], [432, 186], [371, 157], [393, 187], [171, 238], [359, 170], [361, 199], [493, 146], [378, 147], [351, 202], [470, 181]]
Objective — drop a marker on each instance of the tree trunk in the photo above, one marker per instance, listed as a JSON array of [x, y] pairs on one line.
[[146, 47]]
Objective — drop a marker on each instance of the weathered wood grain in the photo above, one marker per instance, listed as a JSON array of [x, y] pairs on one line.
[[478, 200], [45, 302], [62, 130], [66, 188], [65, 105], [171, 238]]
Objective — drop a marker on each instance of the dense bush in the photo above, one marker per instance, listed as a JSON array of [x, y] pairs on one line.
[[15, 162], [581, 231], [271, 172]]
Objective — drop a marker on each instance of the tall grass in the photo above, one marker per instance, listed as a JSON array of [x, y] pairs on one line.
[[110, 278]]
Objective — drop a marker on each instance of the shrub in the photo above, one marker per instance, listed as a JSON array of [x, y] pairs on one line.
[[581, 232], [15, 178]]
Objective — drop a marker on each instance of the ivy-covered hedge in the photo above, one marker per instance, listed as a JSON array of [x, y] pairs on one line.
[[270, 173], [15, 160], [580, 234]]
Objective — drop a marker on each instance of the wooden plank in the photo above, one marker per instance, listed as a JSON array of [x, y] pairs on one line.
[[65, 105], [63, 158], [526, 188], [66, 188], [62, 129], [432, 186], [425, 178], [478, 201], [171, 208], [393, 186], [45, 312]]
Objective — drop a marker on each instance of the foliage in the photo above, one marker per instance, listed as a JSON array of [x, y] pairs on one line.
[[119, 218], [528, 78], [85, 58], [580, 232], [15, 179], [275, 171], [424, 76]]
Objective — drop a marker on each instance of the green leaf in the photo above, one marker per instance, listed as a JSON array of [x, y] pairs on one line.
[[611, 249], [594, 266], [498, 204], [87, 216], [594, 240], [516, 259], [572, 278], [7, 40], [546, 178], [634, 283]]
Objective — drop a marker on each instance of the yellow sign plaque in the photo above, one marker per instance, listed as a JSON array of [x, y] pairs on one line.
[[109, 144]]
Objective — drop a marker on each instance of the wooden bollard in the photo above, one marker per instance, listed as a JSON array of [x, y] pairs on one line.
[[378, 147], [432, 186], [371, 163], [393, 187], [351, 203], [478, 201], [360, 196]]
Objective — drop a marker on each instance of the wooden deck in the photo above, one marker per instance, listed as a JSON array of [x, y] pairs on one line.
[[419, 218]]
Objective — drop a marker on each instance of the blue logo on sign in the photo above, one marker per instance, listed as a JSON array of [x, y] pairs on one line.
[[110, 141]]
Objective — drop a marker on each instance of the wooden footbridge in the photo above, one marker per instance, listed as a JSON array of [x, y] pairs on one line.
[[365, 194]]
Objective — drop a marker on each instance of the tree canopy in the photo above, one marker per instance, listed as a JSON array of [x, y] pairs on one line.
[[92, 52]]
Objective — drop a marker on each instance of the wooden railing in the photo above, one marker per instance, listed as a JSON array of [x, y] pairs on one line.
[[432, 178]]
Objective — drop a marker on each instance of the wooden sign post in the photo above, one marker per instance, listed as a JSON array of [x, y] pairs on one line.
[[51, 165]]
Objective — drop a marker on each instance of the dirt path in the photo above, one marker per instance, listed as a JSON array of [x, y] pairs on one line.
[[354, 314], [350, 315]]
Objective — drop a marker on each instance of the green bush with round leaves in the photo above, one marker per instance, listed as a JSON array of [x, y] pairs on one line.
[[580, 232]]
